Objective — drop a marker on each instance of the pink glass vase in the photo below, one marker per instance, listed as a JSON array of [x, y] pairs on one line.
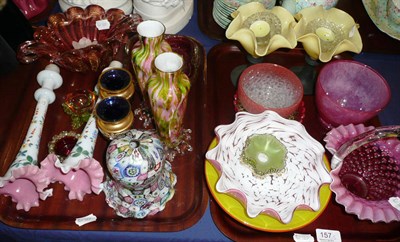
[[151, 43], [168, 90]]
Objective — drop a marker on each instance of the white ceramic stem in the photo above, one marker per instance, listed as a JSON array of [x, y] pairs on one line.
[[24, 167], [49, 79]]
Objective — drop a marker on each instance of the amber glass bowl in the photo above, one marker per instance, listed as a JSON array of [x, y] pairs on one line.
[[80, 39]]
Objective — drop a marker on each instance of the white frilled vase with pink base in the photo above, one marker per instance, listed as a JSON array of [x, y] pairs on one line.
[[24, 182], [79, 171]]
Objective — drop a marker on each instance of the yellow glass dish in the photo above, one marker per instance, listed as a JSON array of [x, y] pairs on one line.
[[262, 222]]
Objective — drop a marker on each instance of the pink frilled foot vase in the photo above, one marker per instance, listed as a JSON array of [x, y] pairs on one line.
[[24, 182], [80, 172]]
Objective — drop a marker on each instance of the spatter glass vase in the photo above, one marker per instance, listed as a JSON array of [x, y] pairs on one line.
[[168, 90], [151, 43]]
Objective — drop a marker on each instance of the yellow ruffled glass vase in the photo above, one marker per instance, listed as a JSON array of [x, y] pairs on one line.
[[260, 31], [323, 34]]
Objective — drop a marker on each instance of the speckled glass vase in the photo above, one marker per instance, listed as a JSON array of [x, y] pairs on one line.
[[168, 90], [151, 43]]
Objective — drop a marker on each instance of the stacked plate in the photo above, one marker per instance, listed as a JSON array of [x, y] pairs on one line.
[[222, 9]]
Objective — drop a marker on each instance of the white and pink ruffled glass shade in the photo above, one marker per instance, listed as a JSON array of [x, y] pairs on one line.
[[80, 173], [367, 177], [261, 31], [24, 181], [270, 164], [325, 33]]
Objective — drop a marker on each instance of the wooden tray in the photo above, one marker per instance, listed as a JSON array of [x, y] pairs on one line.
[[221, 61], [57, 212], [374, 40]]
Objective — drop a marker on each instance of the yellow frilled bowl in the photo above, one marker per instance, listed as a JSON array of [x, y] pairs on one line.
[[280, 27], [326, 33]]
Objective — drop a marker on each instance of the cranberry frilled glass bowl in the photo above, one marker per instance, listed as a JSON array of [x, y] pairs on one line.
[[366, 180], [80, 39], [336, 137]]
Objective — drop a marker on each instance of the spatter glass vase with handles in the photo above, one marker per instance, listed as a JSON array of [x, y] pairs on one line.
[[168, 90]]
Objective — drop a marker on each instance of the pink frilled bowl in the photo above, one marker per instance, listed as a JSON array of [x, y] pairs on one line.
[[80, 39], [366, 174], [336, 137]]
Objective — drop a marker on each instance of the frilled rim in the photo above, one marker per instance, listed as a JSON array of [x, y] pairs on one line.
[[56, 40], [336, 137], [376, 211], [25, 185], [287, 38], [91, 11], [88, 170], [212, 156], [312, 43], [120, 24]]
